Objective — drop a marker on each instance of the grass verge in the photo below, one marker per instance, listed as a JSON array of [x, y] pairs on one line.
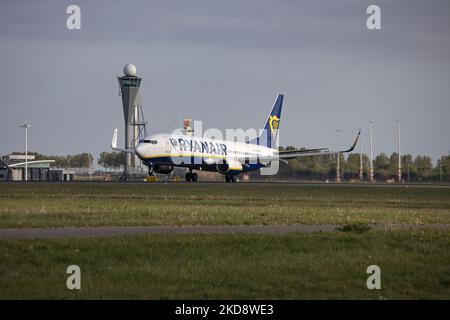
[[414, 265], [107, 204]]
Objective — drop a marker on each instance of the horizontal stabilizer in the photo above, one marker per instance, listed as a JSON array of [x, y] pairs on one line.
[[114, 144]]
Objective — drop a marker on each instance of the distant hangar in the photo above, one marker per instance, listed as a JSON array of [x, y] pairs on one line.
[[12, 168]]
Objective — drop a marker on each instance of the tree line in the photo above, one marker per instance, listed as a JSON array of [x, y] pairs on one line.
[[385, 167], [80, 160], [323, 167], [113, 160]]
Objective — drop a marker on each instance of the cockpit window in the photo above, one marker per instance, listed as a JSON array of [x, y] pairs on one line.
[[149, 141]]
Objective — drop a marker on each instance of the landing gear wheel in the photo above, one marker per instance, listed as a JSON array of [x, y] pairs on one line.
[[150, 172], [188, 177], [228, 178], [194, 177], [233, 178]]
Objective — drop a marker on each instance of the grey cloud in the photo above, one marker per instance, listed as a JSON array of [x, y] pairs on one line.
[[224, 62]]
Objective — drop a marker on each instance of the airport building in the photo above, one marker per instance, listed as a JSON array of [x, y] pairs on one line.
[[12, 168]]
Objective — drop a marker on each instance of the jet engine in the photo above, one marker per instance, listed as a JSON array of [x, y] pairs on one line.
[[163, 168], [228, 165], [222, 168]]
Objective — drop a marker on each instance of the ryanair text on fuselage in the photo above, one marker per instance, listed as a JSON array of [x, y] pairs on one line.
[[183, 144]]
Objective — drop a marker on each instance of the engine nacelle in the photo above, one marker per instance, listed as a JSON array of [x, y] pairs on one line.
[[163, 168], [222, 168], [228, 166]]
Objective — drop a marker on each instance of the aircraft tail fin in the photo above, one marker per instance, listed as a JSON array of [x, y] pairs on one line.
[[114, 140], [268, 137]]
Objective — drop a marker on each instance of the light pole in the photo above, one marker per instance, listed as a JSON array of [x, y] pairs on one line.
[[26, 126], [338, 155], [399, 122], [361, 175], [371, 122]]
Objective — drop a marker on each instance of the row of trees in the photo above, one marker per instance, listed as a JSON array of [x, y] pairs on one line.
[[113, 160], [420, 168], [80, 160]]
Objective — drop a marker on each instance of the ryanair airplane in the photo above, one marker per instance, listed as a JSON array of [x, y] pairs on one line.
[[163, 152]]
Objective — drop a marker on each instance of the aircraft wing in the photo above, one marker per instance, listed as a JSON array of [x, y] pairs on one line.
[[114, 144], [292, 154]]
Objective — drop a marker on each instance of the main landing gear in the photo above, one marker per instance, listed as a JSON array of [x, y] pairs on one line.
[[230, 178], [151, 175], [191, 176]]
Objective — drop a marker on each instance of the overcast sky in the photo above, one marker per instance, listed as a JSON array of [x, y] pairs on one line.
[[224, 62]]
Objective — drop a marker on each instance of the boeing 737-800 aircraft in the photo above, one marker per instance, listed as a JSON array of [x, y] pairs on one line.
[[163, 152]]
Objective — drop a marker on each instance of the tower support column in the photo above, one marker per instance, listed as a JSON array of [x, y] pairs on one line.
[[132, 112]]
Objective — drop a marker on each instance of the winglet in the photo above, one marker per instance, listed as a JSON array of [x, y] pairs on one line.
[[353, 145], [114, 140]]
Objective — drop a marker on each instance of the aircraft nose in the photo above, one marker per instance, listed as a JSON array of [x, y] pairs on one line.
[[140, 150]]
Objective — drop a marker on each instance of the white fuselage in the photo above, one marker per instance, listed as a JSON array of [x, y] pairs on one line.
[[186, 150]]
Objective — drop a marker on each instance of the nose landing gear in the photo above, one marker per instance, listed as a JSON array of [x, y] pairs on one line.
[[151, 175]]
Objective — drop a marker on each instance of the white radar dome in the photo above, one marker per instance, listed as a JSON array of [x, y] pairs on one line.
[[129, 70]]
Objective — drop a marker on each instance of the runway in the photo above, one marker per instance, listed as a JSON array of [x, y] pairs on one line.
[[255, 183], [93, 232]]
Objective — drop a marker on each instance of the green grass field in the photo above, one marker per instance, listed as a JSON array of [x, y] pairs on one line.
[[103, 204], [414, 264]]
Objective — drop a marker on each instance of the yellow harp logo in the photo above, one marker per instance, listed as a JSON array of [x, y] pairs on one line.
[[274, 123]]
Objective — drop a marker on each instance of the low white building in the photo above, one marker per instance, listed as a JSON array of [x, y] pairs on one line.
[[12, 168]]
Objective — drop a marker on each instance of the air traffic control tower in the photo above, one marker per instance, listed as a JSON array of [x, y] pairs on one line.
[[133, 115]]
